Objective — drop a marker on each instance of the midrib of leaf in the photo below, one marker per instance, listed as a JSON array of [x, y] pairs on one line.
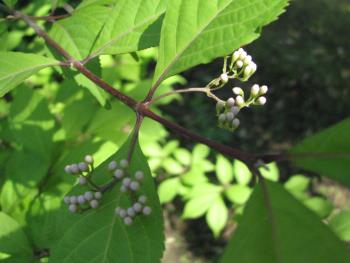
[[27, 70], [116, 39], [271, 218]]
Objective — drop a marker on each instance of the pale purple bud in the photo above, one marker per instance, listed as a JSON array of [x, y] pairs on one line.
[[88, 195], [112, 166], [73, 208], [139, 175], [146, 210], [94, 203]]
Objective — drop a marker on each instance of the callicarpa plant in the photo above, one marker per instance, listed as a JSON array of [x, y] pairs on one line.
[[77, 186]]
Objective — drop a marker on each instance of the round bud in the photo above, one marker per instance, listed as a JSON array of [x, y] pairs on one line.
[[124, 163], [112, 165], [247, 60], [231, 102], [94, 203], [239, 63], [66, 200], [235, 110], [123, 189], [240, 50], [89, 159], [254, 91], [81, 199], [235, 55], [73, 208], [240, 101], [222, 117], [139, 175], [243, 55], [235, 123], [128, 221], [229, 116], [82, 180], [126, 182], [122, 213], [118, 173], [74, 168], [137, 207], [146, 210], [131, 212], [253, 67], [117, 211], [237, 91], [98, 195], [73, 199], [248, 71], [261, 101], [224, 77], [67, 169], [263, 90], [142, 199], [134, 186], [88, 196], [83, 167], [220, 105]]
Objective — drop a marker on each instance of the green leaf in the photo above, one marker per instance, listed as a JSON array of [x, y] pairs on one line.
[[276, 228], [297, 183], [321, 206], [241, 172], [270, 172], [10, 3], [198, 205], [13, 241], [183, 156], [217, 216], [327, 152], [196, 32], [340, 224], [224, 171], [15, 67], [238, 194], [100, 236], [168, 189], [172, 167], [199, 153]]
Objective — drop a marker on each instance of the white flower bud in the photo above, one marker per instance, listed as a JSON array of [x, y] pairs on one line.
[[88, 195], [237, 91], [247, 60], [66, 200], [83, 167], [126, 182], [235, 123], [147, 210], [240, 50], [128, 221], [235, 55], [243, 55], [222, 117], [124, 163], [123, 189], [134, 186], [81, 199], [229, 116], [131, 212], [74, 168], [82, 180], [230, 102], [224, 77], [98, 195], [235, 110], [254, 91], [248, 71], [261, 101], [73, 208], [239, 63], [263, 90], [73, 200], [118, 173], [240, 101], [139, 175], [142, 199], [122, 213], [253, 67], [94, 203], [137, 207], [89, 159], [67, 169], [220, 105], [112, 165]]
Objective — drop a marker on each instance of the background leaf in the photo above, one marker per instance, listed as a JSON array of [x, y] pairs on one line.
[[333, 147], [223, 170], [217, 216], [276, 228], [341, 225]]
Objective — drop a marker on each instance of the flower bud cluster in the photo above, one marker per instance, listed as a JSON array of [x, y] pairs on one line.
[[242, 64], [137, 208], [88, 199], [257, 94], [227, 114], [82, 167], [130, 184]]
